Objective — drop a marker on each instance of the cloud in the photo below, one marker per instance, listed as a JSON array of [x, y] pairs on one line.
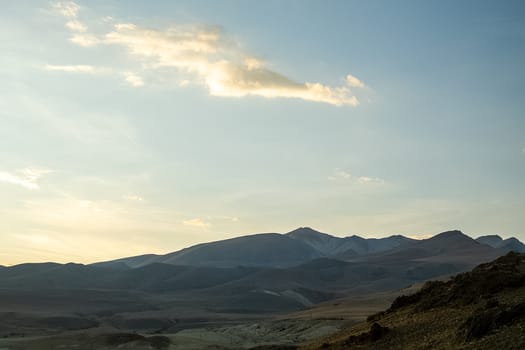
[[197, 223], [340, 175], [210, 58], [133, 79], [229, 218], [370, 180], [223, 218], [68, 9], [345, 176], [76, 26], [71, 68], [133, 198], [209, 221], [27, 178], [354, 82], [85, 40]]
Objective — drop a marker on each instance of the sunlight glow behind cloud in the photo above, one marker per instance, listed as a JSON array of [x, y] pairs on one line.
[[211, 59]]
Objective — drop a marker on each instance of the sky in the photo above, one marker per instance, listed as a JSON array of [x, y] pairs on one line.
[[131, 127]]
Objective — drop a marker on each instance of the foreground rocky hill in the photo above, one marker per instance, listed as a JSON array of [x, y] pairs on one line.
[[481, 309]]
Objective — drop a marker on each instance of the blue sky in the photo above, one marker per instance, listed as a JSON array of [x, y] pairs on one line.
[[127, 127]]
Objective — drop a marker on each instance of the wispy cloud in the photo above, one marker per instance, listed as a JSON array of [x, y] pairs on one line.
[[226, 218], [370, 180], [85, 40], [27, 178], [345, 176], [68, 9], [340, 175], [197, 223], [354, 82], [209, 221], [208, 57], [133, 79], [133, 198], [71, 68], [76, 26]]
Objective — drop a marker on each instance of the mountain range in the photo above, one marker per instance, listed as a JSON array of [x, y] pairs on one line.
[[247, 276], [305, 244]]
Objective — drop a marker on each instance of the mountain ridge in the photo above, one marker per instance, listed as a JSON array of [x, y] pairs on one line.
[[304, 243]]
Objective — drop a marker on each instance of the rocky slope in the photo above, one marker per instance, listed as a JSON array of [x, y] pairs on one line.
[[481, 309]]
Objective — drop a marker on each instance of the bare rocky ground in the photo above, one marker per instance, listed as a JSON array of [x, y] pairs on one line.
[[269, 332], [481, 309], [229, 331], [56, 326]]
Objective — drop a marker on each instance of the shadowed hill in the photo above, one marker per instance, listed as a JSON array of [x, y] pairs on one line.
[[509, 244], [481, 309], [447, 247], [153, 277], [348, 246], [265, 249], [304, 244]]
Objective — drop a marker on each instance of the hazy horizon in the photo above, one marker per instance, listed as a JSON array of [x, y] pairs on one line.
[[168, 250], [131, 127]]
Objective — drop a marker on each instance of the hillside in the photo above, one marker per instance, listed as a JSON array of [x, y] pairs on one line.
[[451, 246], [305, 244], [481, 309], [264, 249], [509, 244], [332, 246]]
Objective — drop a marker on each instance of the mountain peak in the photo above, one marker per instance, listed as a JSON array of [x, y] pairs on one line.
[[454, 234], [449, 241], [307, 232], [496, 241], [303, 229], [494, 237]]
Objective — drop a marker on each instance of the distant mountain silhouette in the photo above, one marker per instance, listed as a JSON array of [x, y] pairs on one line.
[[451, 246], [301, 259], [265, 249], [509, 244], [305, 244], [348, 246], [268, 249]]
